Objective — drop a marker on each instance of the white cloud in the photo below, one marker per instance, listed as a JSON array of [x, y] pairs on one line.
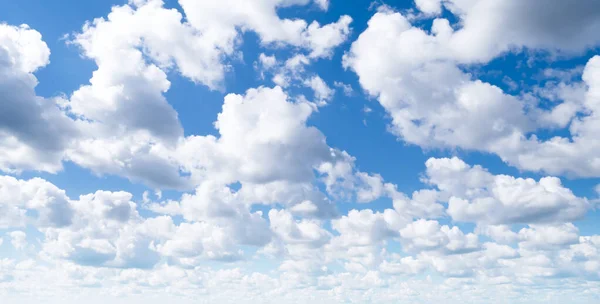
[[346, 88], [222, 20], [303, 232], [548, 237], [255, 145], [424, 203], [18, 239], [403, 265], [305, 207], [323, 93], [193, 240], [134, 47], [34, 201], [265, 63], [475, 195], [433, 7], [493, 27], [323, 39], [370, 187], [323, 4], [433, 103], [573, 156], [163, 36], [499, 233], [303, 199], [263, 138], [585, 255], [34, 130], [222, 210], [424, 235], [23, 49], [104, 229], [362, 235], [291, 73], [107, 231], [303, 247]]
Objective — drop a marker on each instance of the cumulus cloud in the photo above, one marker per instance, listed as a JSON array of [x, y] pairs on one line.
[[259, 212], [548, 237], [362, 235], [304, 232], [34, 130], [417, 76], [33, 201], [108, 238], [18, 239], [429, 235], [218, 206], [475, 195], [322, 92], [496, 27], [431, 101], [105, 229], [429, 6], [264, 143], [135, 47], [222, 20], [573, 155]]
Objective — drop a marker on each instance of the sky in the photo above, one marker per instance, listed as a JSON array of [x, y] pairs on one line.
[[299, 151]]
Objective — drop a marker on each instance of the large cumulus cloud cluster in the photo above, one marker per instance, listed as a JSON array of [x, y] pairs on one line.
[[256, 209]]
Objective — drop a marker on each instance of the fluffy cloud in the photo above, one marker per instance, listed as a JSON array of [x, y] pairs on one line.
[[303, 232], [574, 155], [418, 77], [584, 254], [221, 21], [198, 48], [110, 245], [362, 235], [431, 101], [217, 208], [33, 129], [490, 27], [104, 232], [475, 195], [33, 201], [429, 235], [18, 239], [425, 203], [402, 265], [429, 6], [291, 73], [548, 237], [260, 215], [302, 199], [323, 93], [135, 47], [262, 146], [323, 4], [105, 229], [191, 241]]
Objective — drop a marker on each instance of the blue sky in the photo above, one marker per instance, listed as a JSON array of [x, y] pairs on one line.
[[174, 149]]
